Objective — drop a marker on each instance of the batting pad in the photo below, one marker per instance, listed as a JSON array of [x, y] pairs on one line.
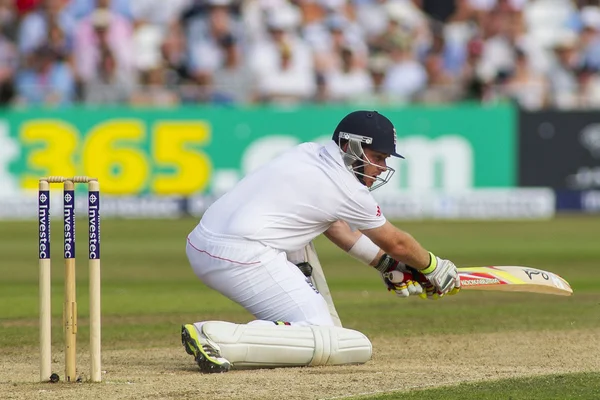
[[247, 346]]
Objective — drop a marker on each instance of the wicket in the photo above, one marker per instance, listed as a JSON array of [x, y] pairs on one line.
[[70, 302]]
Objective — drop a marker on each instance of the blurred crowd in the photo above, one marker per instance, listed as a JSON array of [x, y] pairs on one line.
[[537, 53]]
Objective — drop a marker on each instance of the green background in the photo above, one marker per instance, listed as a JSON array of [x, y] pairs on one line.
[[491, 131]]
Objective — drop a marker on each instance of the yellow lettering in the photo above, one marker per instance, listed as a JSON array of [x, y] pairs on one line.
[[176, 148], [52, 146], [112, 154]]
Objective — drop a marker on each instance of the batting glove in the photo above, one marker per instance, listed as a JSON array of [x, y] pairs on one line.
[[397, 277], [439, 278]]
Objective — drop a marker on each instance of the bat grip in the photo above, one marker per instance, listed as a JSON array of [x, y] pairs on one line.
[[306, 269]]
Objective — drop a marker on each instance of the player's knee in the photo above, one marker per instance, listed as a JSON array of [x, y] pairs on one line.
[[339, 346]]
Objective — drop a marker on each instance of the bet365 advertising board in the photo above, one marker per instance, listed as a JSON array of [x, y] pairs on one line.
[[199, 152]]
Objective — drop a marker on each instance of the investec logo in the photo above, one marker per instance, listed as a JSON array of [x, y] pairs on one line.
[[69, 226], [442, 163], [44, 223], [94, 233]]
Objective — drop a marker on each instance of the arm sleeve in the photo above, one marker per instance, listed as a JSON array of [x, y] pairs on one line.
[[361, 211]]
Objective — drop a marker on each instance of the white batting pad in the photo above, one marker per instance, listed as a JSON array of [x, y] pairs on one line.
[[259, 345]]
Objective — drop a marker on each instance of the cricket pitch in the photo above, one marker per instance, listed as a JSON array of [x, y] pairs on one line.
[[169, 373]]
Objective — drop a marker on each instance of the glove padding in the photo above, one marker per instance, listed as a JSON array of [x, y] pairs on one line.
[[397, 277], [402, 283], [442, 280]]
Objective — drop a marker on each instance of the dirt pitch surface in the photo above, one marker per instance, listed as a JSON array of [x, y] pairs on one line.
[[168, 373]]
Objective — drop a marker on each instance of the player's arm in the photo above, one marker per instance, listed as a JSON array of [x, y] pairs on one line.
[[363, 249], [345, 238], [400, 245], [405, 248]]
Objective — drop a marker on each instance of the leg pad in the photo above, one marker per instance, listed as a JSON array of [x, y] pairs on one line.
[[262, 345]]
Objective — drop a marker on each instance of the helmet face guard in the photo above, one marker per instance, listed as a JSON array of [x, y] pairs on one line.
[[355, 159]]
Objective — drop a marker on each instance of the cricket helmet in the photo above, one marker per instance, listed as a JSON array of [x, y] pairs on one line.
[[366, 129]]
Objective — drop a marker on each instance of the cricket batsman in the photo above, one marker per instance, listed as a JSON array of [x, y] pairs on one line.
[[254, 246]]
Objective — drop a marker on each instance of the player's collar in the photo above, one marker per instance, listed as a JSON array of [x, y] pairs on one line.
[[333, 150]]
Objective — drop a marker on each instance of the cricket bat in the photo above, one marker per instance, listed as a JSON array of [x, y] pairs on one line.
[[318, 279], [513, 279]]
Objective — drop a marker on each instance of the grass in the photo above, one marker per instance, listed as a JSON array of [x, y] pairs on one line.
[[149, 289], [584, 386]]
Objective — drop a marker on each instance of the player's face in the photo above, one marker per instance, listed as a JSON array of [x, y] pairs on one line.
[[377, 165]]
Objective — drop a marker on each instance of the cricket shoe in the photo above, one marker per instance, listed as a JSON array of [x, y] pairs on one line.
[[205, 352]]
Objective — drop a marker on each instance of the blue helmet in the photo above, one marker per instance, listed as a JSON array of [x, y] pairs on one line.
[[378, 132], [365, 129]]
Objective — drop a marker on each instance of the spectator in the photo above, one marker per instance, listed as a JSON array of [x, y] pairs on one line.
[[57, 41], [590, 36], [152, 91], [80, 9], [287, 82], [372, 16], [33, 30], [414, 22], [340, 34], [460, 28], [441, 87], [175, 59], [102, 29], [498, 53], [8, 19], [282, 25], [438, 10], [548, 20], [233, 51], [564, 85], [282, 63], [316, 34], [405, 77], [349, 81], [48, 81], [377, 68], [255, 15], [147, 40], [526, 86], [110, 85], [589, 87], [321, 95], [160, 13], [204, 32], [396, 31], [313, 27], [490, 5], [8, 66], [451, 52], [232, 83]]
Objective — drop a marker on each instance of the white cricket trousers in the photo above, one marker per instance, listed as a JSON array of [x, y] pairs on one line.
[[258, 277]]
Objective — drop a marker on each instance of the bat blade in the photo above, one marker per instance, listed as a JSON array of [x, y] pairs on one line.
[[513, 279]]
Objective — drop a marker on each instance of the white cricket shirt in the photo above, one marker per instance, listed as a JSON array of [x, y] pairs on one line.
[[292, 199]]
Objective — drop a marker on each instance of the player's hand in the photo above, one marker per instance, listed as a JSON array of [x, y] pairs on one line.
[[402, 282], [397, 277], [429, 291], [441, 278]]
